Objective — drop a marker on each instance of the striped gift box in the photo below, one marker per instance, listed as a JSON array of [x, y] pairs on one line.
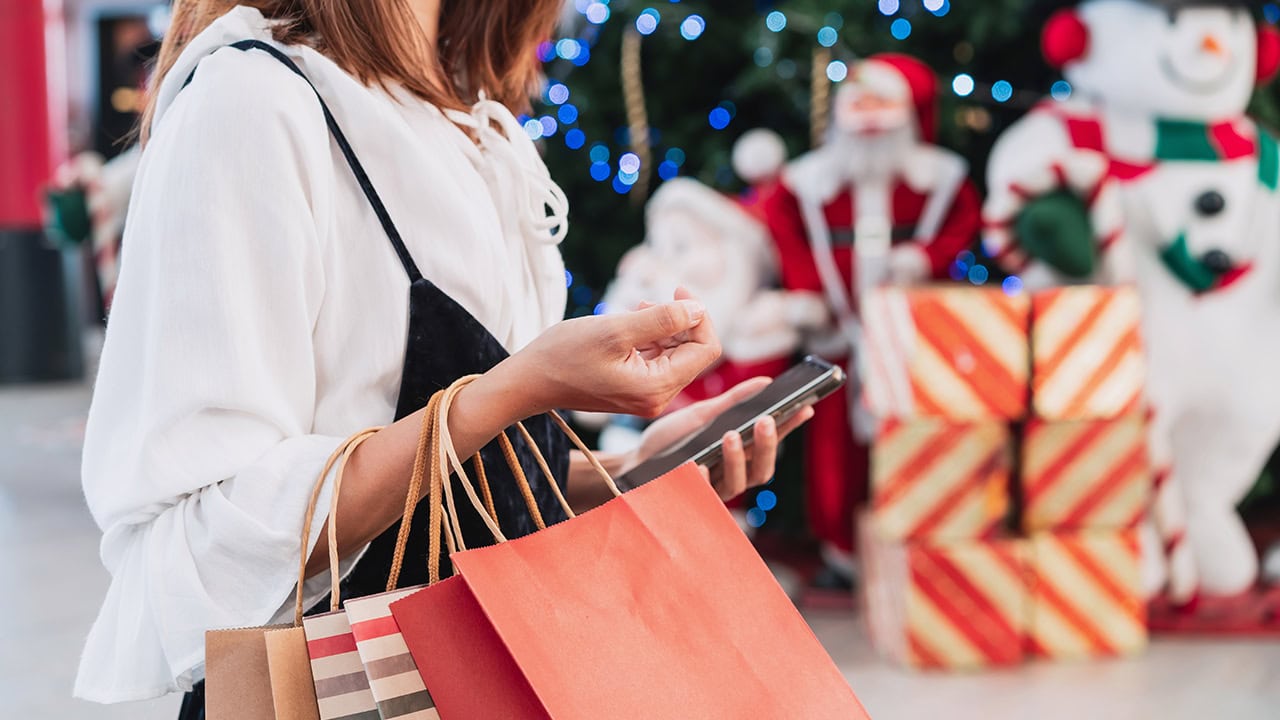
[[954, 605], [393, 677], [1086, 594], [956, 353], [1085, 474], [935, 479], [1086, 353], [342, 688]]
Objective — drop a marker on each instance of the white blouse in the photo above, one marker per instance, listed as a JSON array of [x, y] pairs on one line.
[[261, 317]]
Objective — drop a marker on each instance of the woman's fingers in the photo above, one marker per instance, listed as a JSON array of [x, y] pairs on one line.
[[733, 477], [804, 415], [764, 452]]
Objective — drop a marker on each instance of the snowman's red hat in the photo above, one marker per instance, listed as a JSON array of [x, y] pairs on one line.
[[1065, 38]]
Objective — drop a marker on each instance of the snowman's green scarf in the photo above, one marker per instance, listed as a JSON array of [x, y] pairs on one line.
[[1181, 140]]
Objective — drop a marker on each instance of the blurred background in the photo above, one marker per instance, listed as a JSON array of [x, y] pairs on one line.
[[637, 95]]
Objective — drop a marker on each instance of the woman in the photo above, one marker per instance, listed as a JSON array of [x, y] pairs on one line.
[[312, 167]]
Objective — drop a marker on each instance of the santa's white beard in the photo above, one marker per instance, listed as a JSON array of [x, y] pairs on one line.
[[875, 156]]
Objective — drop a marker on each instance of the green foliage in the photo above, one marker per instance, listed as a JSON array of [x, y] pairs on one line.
[[684, 80]]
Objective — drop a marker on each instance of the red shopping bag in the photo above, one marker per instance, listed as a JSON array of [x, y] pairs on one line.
[[652, 604]]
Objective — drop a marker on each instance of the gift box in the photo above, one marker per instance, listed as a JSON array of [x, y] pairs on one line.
[[1086, 353], [933, 479], [947, 352], [1086, 598], [951, 605], [1085, 474]]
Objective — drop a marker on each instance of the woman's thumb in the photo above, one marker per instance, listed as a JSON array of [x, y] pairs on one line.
[[663, 321]]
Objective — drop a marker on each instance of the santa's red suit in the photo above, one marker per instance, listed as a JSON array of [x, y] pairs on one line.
[[933, 213]]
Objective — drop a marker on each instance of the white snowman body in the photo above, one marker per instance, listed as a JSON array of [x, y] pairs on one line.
[[1212, 353]]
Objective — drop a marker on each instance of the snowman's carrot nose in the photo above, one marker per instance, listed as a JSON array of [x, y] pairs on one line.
[[1211, 44]]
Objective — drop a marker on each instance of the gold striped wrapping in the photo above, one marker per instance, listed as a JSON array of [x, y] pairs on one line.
[[1085, 474], [956, 353], [936, 479], [1086, 594], [953, 605], [1086, 352]]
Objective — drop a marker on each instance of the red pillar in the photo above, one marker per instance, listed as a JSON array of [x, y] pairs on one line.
[[40, 316], [32, 108]]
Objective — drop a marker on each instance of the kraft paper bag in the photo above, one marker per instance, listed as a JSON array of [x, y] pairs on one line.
[[239, 679], [652, 603], [237, 675], [292, 692]]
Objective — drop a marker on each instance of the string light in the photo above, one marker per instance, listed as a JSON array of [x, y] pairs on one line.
[[692, 27]]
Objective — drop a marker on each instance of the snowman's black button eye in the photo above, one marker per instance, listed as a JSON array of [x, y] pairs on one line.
[[1210, 203], [1217, 261]]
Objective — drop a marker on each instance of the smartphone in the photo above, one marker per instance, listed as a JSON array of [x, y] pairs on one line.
[[797, 388]]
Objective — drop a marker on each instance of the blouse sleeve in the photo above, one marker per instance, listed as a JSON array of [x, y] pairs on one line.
[[199, 452]]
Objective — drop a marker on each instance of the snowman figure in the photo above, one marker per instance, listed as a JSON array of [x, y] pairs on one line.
[[1151, 173]]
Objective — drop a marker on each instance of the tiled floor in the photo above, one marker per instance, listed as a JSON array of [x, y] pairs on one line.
[[48, 544]]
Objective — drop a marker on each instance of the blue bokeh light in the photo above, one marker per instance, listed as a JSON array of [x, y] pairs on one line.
[[568, 114], [533, 128], [621, 187], [568, 48], [962, 84], [668, 170], [1001, 90], [629, 163], [775, 21], [1012, 285], [676, 156], [575, 139], [1060, 90], [597, 13], [978, 274], [600, 153], [692, 27], [767, 500], [827, 36], [600, 171], [568, 278], [837, 71], [558, 93], [888, 7], [756, 517], [719, 118], [549, 125], [900, 29], [647, 22]]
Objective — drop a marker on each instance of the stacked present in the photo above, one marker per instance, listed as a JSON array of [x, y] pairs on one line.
[[1009, 475]]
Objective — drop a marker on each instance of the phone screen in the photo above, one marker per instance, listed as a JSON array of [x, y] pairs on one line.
[[801, 385]]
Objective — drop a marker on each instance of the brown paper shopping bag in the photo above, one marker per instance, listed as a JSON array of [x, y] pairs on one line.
[[652, 605], [251, 677]]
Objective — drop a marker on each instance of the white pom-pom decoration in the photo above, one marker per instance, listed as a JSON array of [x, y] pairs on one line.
[[759, 155]]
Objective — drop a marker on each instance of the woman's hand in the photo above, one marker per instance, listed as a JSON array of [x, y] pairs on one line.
[[740, 468], [632, 363]]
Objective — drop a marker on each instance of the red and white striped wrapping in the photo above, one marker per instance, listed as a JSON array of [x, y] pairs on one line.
[[1086, 594], [1085, 474], [956, 353], [393, 677], [1086, 353], [342, 688], [955, 605], [934, 479]]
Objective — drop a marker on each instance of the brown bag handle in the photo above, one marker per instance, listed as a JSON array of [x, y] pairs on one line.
[[444, 444], [342, 452]]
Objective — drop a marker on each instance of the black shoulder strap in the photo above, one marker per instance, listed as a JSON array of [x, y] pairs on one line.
[[357, 169]]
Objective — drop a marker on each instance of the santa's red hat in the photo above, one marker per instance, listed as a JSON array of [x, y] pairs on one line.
[[911, 75]]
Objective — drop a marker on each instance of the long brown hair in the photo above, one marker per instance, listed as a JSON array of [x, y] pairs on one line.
[[484, 45]]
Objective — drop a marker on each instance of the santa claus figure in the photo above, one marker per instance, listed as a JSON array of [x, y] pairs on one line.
[[704, 241], [1152, 173], [877, 203]]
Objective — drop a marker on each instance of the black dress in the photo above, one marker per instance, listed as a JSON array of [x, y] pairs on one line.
[[444, 343]]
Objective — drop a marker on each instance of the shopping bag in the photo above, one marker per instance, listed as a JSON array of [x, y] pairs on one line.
[[252, 673], [338, 676], [397, 686], [652, 604]]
